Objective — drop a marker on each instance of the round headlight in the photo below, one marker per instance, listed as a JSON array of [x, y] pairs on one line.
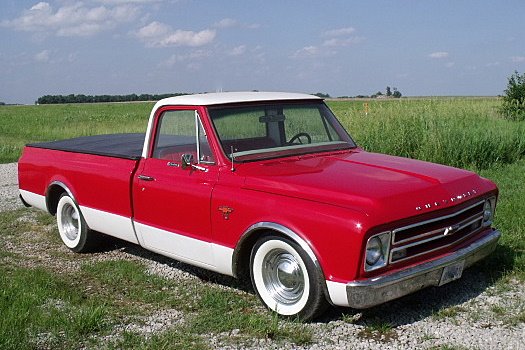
[[487, 211], [374, 251]]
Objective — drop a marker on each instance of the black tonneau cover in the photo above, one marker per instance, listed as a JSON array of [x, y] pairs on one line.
[[128, 146]]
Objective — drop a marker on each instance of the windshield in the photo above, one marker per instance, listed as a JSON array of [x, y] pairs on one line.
[[278, 129]]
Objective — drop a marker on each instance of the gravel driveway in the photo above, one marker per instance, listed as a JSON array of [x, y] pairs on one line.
[[9, 187], [471, 313]]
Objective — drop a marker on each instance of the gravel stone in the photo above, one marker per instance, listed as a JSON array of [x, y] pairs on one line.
[[9, 187], [471, 313]]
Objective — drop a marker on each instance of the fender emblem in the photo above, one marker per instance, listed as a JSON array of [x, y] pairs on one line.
[[226, 211]]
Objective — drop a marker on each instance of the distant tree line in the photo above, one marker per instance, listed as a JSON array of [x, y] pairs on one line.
[[389, 93], [322, 95], [58, 99]]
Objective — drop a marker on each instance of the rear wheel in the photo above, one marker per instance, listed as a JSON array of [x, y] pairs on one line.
[[286, 279], [72, 227]]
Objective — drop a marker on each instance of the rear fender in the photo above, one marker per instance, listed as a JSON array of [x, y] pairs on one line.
[[53, 193]]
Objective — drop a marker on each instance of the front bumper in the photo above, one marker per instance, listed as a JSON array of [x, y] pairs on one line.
[[377, 290]]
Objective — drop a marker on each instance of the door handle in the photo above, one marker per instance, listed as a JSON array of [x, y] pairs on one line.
[[146, 178]]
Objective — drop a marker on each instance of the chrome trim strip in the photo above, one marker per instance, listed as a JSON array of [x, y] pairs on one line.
[[60, 184], [472, 218], [432, 220], [377, 290], [197, 132], [433, 238], [284, 230], [429, 251], [385, 250]]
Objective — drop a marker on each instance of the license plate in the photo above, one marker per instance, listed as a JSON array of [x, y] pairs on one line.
[[452, 273]]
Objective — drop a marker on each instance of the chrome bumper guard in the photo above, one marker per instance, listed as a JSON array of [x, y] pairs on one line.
[[377, 290]]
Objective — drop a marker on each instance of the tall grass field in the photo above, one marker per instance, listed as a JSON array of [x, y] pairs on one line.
[[51, 298], [462, 132], [20, 125]]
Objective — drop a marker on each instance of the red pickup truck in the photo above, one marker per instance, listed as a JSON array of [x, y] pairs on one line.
[[268, 187]]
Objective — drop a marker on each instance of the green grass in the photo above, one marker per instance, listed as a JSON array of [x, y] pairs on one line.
[[379, 331], [25, 124], [37, 305], [448, 312], [69, 308], [509, 256], [461, 132]]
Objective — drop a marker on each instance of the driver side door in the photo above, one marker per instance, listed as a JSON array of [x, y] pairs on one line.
[[171, 199]]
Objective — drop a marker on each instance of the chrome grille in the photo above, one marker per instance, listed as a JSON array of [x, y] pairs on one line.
[[431, 235]]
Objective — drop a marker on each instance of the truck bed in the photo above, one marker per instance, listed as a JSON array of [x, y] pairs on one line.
[[127, 146]]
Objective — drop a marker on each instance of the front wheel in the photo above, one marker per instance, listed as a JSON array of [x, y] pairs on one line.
[[285, 279], [74, 232]]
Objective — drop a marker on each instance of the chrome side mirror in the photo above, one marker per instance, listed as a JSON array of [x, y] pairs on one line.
[[186, 160]]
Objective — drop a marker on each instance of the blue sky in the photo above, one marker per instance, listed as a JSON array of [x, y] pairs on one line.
[[338, 47]]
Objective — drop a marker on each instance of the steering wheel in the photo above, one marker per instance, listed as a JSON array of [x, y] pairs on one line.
[[297, 137]]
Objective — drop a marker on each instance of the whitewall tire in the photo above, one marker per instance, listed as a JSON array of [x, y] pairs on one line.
[[285, 278], [72, 227]]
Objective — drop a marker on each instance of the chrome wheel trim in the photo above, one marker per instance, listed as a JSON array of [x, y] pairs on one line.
[[280, 277], [283, 276], [70, 221]]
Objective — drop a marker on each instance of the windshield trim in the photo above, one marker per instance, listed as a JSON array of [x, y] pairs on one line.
[[296, 152], [287, 148]]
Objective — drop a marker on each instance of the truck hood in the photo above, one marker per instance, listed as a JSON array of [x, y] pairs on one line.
[[371, 183]]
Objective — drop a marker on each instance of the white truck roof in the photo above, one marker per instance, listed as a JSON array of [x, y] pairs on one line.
[[217, 98]]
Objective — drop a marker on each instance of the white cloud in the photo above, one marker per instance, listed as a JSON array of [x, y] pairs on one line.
[[334, 38], [192, 57], [53, 57], [158, 34], [226, 23], [42, 56], [238, 50], [72, 19], [306, 51], [153, 30], [439, 54], [517, 59], [231, 23], [450, 64], [342, 41], [313, 51], [340, 32]]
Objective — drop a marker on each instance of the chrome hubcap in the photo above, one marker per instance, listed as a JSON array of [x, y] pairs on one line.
[[283, 276], [70, 221]]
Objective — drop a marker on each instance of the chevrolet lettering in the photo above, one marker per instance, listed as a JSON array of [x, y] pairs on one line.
[[446, 201]]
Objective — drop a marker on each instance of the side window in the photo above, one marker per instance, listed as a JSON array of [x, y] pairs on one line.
[[177, 135]]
